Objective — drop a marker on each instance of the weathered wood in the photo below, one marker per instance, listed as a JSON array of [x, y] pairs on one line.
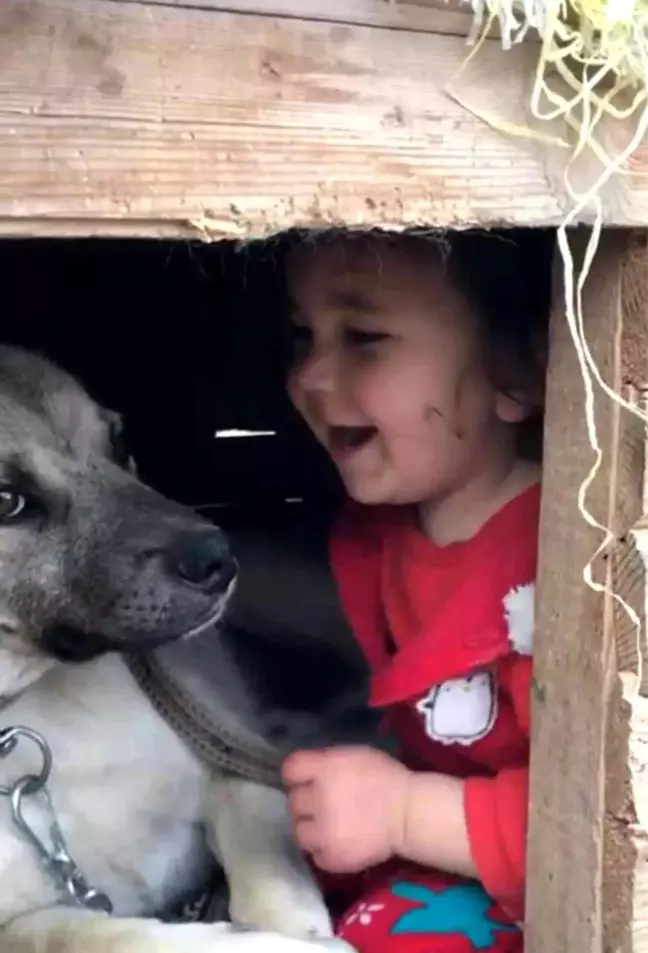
[[588, 877], [431, 16], [154, 120]]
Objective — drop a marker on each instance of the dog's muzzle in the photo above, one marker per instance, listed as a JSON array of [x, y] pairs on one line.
[[199, 566], [203, 561]]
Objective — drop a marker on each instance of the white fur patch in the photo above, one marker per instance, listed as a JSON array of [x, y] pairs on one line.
[[520, 617]]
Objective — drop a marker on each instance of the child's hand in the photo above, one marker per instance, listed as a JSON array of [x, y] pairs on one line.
[[348, 805]]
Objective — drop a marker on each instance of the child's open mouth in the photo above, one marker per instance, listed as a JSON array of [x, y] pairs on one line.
[[342, 440]]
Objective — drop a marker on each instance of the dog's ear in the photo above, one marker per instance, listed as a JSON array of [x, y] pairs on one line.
[[117, 443]]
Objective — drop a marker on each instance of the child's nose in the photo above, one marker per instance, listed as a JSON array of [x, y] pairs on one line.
[[318, 371]]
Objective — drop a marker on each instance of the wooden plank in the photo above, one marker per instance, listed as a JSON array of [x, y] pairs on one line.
[[222, 125], [430, 16], [588, 877], [625, 881]]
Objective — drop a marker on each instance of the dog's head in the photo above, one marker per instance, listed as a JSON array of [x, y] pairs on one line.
[[91, 560]]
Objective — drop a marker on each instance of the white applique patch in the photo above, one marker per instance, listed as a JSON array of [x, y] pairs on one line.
[[461, 710], [520, 617]]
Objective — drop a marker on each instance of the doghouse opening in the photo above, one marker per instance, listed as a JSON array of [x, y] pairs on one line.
[[187, 341]]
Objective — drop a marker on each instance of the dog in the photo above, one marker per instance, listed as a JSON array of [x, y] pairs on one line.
[[94, 565]]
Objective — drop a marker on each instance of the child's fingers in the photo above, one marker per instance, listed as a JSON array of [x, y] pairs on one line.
[[301, 767], [301, 802]]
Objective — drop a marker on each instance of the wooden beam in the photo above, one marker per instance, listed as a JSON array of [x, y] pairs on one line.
[[429, 16], [588, 876], [142, 119]]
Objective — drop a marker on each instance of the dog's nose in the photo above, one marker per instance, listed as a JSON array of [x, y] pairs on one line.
[[204, 560]]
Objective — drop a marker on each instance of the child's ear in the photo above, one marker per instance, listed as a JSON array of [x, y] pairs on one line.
[[522, 400], [512, 408]]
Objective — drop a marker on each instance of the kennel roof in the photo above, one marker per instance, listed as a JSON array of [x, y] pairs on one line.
[[237, 119]]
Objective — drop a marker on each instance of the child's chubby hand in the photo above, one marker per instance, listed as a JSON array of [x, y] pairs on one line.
[[348, 805]]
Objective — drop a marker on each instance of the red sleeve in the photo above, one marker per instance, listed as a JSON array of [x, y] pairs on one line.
[[497, 808]]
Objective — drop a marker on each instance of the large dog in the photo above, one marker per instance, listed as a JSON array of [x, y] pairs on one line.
[[92, 565]]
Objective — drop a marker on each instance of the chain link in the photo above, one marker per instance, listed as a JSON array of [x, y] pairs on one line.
[[54, 857], [32, 783]]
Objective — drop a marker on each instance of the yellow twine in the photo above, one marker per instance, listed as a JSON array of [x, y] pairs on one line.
[[599, 50]]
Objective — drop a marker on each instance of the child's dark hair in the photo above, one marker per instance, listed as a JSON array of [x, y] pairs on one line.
[[505, 274]]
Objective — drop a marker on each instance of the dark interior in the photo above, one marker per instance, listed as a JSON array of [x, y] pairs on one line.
[[185, 340]]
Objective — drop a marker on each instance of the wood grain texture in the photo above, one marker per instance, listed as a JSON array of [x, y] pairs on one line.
[[144, 119], [429, 16], [625, 841], [588, 879]]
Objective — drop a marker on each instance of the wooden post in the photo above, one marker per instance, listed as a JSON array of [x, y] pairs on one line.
[[588, 838]]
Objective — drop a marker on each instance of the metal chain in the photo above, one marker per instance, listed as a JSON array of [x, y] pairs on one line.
[[55, 857]]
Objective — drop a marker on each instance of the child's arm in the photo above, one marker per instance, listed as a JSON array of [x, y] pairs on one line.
[[482, 821], [356, 807], [475, 827], [434, 828], [353, 807]]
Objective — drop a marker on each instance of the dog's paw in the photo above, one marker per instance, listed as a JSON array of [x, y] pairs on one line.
[[173, 938], [335, 945], [59, 929], [257, 941], [274, 905]]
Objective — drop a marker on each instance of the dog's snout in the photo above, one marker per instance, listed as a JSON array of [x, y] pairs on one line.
[[204, 560]]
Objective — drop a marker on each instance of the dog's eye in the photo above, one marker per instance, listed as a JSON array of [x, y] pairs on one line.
[[12, 504]]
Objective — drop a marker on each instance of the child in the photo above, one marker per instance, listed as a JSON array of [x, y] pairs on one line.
[[417, 366]]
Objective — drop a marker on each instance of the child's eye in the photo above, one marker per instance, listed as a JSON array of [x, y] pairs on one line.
[[365, 338]]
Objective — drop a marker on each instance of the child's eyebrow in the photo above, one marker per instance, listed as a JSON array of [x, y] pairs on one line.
[[351, 301]]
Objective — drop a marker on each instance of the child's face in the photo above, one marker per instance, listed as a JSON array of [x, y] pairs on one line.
[[389, 372]]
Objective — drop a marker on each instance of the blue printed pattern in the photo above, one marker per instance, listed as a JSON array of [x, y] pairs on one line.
[[462, 908]]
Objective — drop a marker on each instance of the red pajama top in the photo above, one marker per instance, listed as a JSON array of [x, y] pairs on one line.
[[447, 632]]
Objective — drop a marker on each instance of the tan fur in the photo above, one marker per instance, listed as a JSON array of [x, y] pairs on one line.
[[132, 800]]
